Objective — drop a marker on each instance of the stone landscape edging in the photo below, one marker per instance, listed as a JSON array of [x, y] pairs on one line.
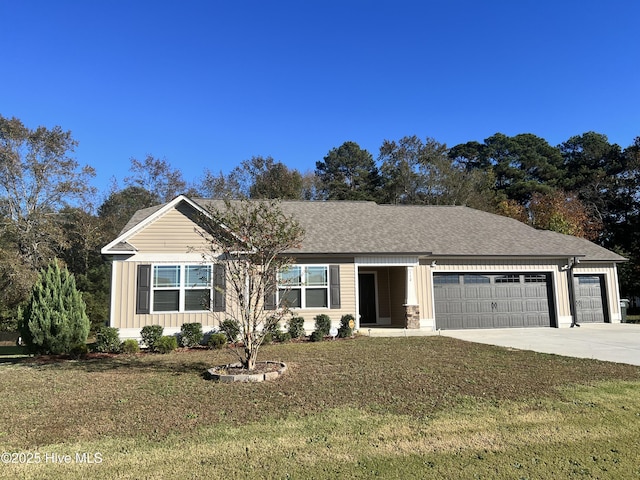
[[245, 377]]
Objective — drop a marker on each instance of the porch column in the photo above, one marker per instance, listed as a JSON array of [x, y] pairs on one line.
[[411, 307]]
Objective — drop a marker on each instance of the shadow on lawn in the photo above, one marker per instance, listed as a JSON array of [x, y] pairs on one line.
[[175, 363]]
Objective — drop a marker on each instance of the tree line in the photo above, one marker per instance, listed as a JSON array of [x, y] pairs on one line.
[[586, 186]]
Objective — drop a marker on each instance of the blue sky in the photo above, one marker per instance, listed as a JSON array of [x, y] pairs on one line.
[[207, 84]]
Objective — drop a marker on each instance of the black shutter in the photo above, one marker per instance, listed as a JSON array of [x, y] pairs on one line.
[[270, 294], [143, 291], [219, 288], [270, 299], [334, 286]]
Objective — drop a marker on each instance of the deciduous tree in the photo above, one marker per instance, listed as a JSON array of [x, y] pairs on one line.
[[157, 176], [250, 239]]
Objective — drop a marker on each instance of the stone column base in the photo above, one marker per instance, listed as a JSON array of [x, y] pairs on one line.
[[412, 316]]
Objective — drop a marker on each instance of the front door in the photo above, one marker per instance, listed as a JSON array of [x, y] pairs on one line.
[[367, 294]]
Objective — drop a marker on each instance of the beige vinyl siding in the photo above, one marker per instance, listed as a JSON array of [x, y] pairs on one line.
[[174, 232], [424, 293]]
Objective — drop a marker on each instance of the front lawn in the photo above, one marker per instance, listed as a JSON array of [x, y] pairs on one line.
[[418, 407]]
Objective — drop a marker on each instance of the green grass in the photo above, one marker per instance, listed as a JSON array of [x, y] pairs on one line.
[[633, 319], [418, 407]]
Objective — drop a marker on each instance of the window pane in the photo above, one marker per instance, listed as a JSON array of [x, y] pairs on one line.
[[508, 279], [535, 279], [198, 276], [197, 300], [166, 276], [445, 279], [317, 276], [291, 277], [316, 297], [291, 298], [166, 300], [472, 278]]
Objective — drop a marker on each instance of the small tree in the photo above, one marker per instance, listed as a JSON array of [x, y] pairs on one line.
[[54, 319], [250, 238]]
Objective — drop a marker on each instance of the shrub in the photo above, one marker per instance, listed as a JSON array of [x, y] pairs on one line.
[[166, 344], [79, 350], [107, 340], [54, 318], [316, 336], [275, 334], [191, 334], [217, 340], [345, 330], [231, 328], [296, 327], [150, 335], [130, 346], [282, 337], [323, 324]]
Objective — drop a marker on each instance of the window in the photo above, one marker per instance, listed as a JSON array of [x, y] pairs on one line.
[[535, 278], [446, 279], [473, 278], [583, 280], [508, 279], [181, 288], [304, 286]]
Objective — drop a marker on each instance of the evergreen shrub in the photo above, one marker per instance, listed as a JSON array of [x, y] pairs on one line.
[[191, 334], [323, 324], [150, 335], [130, 346], [344, 330], [296, 327], [166, 344], [217, 340], [108, 340], [54, 319], [231, 328]]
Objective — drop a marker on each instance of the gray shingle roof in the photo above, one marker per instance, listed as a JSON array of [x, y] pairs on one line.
[[343, 227]]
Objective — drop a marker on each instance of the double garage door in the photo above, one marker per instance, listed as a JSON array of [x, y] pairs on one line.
[[493, 300]]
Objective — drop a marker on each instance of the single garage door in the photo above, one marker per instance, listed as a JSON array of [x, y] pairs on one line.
[[590, 301], [492, 301]]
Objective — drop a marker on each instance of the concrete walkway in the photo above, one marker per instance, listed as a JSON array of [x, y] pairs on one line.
[[618, 342]]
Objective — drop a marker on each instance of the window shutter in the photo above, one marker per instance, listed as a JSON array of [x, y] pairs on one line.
[[334, 286], [270, 300], [143, 292], [219, 288], [270, 295]]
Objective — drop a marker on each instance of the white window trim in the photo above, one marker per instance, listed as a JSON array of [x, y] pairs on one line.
[[302, 287], [182, 288]]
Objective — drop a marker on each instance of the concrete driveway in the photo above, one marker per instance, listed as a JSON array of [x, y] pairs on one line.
[[618, 342], [611, 342]]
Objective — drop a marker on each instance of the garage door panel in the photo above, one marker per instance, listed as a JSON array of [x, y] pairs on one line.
[[492, 301], [590, 303]]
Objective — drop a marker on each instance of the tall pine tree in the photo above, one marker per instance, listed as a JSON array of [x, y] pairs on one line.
[[55, 318]]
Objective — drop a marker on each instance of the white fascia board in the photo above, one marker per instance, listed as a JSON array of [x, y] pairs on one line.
[[106, 250]]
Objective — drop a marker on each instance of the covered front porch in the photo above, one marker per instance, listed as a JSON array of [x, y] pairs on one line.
[[386, 296]]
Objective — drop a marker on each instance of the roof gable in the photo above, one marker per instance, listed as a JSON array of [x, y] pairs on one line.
[[142, 221]]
